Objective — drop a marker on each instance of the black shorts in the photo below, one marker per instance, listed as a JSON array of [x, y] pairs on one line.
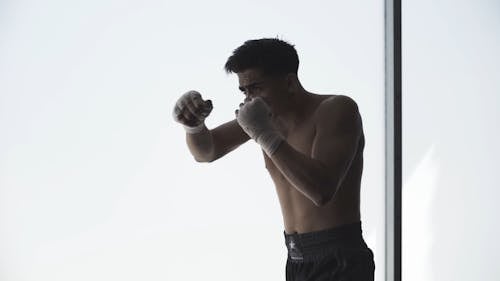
[[338, 253]]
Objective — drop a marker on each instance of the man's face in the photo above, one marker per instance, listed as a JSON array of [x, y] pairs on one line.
[[271, 89]]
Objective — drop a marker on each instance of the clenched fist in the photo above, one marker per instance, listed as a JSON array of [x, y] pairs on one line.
[[255, 118], [191, 110]]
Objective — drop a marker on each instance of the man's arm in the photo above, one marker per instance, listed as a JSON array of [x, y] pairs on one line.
[[210, 145], [319, 175]]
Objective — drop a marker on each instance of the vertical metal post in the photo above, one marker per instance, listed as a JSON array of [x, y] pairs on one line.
[[393, 138]]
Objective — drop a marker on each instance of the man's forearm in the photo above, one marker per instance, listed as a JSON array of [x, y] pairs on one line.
[[307, 175], [201, 145]]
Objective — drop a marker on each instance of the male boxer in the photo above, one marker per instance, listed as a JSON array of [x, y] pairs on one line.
[[313, 150]]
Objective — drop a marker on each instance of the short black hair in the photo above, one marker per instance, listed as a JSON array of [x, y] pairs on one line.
[[272, 56]]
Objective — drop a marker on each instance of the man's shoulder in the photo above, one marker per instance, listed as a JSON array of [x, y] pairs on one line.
[[338, 113], [333, 105]]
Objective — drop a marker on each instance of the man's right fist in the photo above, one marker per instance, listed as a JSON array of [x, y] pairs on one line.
[[191, 110]]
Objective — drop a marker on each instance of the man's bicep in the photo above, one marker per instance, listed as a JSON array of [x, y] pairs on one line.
[[337, 137], [335, 153], [228, 137]]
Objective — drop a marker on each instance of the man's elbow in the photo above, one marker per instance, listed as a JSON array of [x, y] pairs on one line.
[[203, 160], [327, 197], [322, 201], [206, 157]]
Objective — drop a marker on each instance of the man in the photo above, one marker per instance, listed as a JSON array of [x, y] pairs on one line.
[[313, 149]]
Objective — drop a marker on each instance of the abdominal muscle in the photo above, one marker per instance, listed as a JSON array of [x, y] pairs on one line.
[[301, 215]]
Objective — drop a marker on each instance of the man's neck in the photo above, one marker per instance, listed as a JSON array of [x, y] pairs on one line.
[[296, 111]]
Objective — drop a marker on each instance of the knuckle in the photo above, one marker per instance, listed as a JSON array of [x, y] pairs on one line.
[[194, 94]]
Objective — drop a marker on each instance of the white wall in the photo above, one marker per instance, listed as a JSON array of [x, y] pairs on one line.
[[451, 137], [96, 181]]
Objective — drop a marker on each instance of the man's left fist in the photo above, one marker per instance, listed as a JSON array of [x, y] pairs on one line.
[[255, 118]]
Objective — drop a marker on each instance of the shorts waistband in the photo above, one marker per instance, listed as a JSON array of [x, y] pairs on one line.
[[309, 245]]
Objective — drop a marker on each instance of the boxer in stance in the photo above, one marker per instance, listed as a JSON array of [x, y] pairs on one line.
[[313, 150]]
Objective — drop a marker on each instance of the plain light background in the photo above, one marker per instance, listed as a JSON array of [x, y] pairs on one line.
[[96, 181], [451, 137]]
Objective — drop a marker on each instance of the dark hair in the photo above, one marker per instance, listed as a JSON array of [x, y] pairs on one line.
[[271, 55]]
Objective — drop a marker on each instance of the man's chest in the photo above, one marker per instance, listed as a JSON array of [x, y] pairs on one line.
[[300, 138]]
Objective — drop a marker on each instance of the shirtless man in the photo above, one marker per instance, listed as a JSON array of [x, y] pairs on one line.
[[313, 149]]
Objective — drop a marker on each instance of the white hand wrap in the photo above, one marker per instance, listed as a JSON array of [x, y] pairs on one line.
[[254, 117], [270, 141], [194, 98], [196, 129]]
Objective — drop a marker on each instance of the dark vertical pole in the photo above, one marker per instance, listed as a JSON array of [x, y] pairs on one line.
[[397, 141], [393, 138]]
